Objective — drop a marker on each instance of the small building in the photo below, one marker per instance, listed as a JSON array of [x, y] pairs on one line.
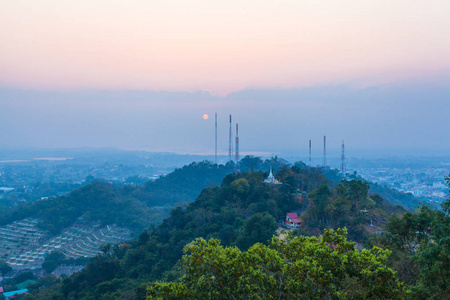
[[292, 220], [12, 295]]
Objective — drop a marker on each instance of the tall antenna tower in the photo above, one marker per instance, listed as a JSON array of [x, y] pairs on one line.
[[343, 159], [215, 144], [236, 149], [230, 147], [324, 151], [310, 153]]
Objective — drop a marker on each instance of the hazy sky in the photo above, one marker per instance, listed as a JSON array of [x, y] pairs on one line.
[[396, 120], [140, 74]]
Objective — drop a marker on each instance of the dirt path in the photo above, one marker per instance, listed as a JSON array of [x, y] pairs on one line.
[[280, 233]]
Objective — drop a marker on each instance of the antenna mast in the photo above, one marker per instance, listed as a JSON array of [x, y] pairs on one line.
[[230, 149], [236, 150], [343, 159], [215, 144], [310, 153], [324, 151]]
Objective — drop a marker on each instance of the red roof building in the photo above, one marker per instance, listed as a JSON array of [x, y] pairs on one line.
[[292, 220]]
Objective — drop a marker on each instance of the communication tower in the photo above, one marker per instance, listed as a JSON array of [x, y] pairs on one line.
[[343, 159], [215, 144], [230, 146], [236, 149], [310, 153]]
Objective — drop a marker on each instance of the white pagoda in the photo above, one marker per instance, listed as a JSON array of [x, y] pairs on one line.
[[271, 178]]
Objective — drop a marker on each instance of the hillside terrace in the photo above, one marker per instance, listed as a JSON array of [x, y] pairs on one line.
[[19, 237], [24, 245]]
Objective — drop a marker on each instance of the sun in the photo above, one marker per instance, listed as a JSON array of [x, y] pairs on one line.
[[205, 117]]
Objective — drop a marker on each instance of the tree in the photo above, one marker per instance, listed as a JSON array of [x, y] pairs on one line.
[[357, 191], [49, 266], [405, 236], [52, 261], [300, 164], [258, 229], [24, 276], [420, 243], [320, 199], [433, 257], [250, 163], [240, 186], [4, 268], [328, 267]]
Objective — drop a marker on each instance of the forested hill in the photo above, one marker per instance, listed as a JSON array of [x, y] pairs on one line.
[[129, 206], [241, 212], [137, 207], [394, 196], [184, 184]]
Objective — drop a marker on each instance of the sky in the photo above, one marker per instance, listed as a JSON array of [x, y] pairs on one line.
[[140, 74]]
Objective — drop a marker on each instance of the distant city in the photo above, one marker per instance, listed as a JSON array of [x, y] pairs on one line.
[[426, 183], [34, 174], [422, 176]]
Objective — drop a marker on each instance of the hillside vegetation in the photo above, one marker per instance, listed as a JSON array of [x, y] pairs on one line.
[[241, 212], [325, 267], [129, 206], [420, 245]]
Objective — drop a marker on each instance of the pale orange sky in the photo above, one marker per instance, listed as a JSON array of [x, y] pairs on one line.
[[220, 46]]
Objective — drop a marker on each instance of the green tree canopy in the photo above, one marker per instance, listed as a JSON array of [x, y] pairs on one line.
[[4, 268], [433, 255], [328, 267], [250, 163], [258, 229]]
